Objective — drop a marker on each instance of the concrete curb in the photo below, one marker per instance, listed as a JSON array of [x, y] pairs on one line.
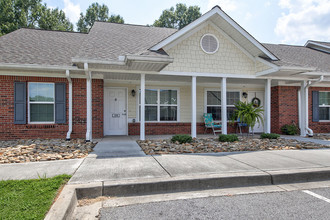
[[64, 207]]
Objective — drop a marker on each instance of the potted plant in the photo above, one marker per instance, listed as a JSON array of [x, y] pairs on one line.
[[248, 113]]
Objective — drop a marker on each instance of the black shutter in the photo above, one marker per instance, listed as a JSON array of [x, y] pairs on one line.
[[315, 100], [20, 103], [60, 107]]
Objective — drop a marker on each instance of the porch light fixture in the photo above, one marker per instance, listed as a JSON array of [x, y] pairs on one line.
[[244, 95], [133, 92]]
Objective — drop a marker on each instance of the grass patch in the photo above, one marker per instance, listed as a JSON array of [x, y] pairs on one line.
[[29, 199]]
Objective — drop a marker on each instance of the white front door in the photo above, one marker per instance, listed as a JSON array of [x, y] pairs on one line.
[[115, 111], [256, 96]]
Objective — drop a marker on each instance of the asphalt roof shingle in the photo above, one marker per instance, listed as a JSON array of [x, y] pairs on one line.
[[108, 41], [33, 46], [300, 56]]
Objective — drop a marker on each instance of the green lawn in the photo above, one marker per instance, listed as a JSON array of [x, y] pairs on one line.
[[28, 199]]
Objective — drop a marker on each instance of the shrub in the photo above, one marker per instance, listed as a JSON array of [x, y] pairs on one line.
[[269, 136], [289, 129], [228, 137], [181, 138]]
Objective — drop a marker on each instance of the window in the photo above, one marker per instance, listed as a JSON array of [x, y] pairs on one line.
[[213, 103], [160, 105], [41, 102], [324, 104]]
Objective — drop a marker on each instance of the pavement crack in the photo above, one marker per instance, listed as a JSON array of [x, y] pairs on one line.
[[162, 166]]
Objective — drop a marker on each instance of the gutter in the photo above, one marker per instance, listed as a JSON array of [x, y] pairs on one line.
[[309, 84], [68, 135]]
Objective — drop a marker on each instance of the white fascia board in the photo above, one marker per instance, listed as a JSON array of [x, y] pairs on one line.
[[149, 59], [205, 17], [36, 67], [316, 44], [200, 74], [316, 73], [294, 68], [93, 61]]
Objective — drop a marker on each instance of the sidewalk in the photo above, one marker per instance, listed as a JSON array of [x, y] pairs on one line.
[[99, 168]]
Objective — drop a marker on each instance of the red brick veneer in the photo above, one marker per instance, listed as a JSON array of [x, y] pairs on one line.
[[9, 130]]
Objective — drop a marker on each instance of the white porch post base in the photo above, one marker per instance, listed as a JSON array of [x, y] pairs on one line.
[[267, 107], [142, 119], [224, 105], [193, 108]]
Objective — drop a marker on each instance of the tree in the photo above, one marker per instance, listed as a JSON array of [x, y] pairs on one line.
[[15, 14], [96, 12], [178, 18]]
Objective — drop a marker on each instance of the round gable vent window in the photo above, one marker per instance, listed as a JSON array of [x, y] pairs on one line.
[[209, 43]]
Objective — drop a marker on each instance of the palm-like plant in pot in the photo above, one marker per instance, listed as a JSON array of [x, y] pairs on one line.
[[249, 114]]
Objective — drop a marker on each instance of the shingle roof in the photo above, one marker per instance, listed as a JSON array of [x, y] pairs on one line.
[[299, 56], [33, 46], [107, 41]]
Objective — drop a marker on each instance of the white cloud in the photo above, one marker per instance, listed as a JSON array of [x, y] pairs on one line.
[[306, 19], [226, 5], [72, 11]]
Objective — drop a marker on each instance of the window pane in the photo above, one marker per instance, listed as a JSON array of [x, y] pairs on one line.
[[168, 97], [151, 96], [216, 112], [232, 98], [41, 92], [324, 98], [150, 113], [324, 113], [213, 98], [168, 113], [41, 112]]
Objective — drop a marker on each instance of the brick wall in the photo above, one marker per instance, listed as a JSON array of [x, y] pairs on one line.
[[9, 130], [284, 107], [171, 128], [317, 127]]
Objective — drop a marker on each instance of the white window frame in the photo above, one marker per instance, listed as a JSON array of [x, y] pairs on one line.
[[158, 104], [324, 106], [219, 89], [39, 122]]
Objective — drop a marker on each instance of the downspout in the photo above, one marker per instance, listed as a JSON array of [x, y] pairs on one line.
[[309, 84], [68, 135]]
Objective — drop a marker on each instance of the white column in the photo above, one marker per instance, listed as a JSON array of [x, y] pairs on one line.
[[89, 106], [193, 107], [267, 107], [303, 108], [142, 113], [224, 105], [68, 135]]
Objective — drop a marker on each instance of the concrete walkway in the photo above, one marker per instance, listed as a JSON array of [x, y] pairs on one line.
[[306, 139]]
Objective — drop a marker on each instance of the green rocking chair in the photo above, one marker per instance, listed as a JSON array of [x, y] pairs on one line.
[[209, 123]]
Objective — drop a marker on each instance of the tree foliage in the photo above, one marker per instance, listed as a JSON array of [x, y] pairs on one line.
[[96, 12], [15, 14], [178, 17]]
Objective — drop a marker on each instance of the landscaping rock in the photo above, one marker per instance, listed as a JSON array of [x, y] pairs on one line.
[[208, 145], [34, 150]]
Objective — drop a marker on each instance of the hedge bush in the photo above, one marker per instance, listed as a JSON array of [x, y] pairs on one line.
[[228, 137], [269, 136], [289, 129], [181, 138]]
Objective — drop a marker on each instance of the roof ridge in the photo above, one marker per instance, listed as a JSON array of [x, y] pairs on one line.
[[138, 25], [39, 29]]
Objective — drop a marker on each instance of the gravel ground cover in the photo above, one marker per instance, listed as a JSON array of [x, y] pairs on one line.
[[325, 137], [20, 151], [210, 145]]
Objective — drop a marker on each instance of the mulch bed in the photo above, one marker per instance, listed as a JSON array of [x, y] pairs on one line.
[[211, 145]]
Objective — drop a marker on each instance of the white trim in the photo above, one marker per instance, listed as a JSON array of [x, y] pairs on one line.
[[203, 18], [68, 135], [324, 106], [317, 44], [158, 88], [142, 121], [36, 67], [193, 107], [89, 115], [267, 106], [28, 97], [224, 105], [200, 43]]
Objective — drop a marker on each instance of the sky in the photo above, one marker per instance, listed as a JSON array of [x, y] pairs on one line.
[[269, 21]]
